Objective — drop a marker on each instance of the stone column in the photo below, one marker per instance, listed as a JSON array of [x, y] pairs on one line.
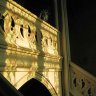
[[65, 49], [56, 13]]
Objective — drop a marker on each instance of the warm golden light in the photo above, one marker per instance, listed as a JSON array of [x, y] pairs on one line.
[[28, 48]]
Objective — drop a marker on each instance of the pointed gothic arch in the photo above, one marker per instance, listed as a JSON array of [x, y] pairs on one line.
[[34, 88], [40, 81]]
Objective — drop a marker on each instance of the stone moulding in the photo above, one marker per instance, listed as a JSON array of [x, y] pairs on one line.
[[21, 57]]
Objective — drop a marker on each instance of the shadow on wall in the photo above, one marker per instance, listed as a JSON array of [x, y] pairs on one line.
[[34, 87], [40, 58]]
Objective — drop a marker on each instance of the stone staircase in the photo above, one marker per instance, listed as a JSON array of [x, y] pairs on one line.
[[82, 83]]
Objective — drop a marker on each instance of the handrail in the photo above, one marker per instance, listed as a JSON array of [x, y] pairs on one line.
[[86, 73]]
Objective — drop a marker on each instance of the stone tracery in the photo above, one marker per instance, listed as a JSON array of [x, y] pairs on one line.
[[18, 32]]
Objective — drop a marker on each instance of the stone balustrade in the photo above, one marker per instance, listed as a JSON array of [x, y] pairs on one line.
[[82, 83], [21, 28]]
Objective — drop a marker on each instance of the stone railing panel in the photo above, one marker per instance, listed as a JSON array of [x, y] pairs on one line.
[[21, 28], [82, 83]]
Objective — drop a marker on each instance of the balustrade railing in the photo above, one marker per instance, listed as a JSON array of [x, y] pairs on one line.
[[82, 83], [21, 28]]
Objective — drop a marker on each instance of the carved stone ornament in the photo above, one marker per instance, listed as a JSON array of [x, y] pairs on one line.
[[20, 28]]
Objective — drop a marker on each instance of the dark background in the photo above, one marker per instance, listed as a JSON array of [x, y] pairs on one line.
[[82, 27], [36, 6], [82, 31]]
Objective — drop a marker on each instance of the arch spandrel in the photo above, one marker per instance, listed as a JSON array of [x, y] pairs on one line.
[[41, 78]]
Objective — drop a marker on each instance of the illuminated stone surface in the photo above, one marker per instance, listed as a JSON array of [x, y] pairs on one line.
[[28, 48]]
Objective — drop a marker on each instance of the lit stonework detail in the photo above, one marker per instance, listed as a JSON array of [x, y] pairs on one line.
[[28, 47], [82, 83], [26, 30]]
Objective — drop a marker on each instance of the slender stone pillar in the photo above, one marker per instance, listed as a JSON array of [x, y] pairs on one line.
[[65, 49]]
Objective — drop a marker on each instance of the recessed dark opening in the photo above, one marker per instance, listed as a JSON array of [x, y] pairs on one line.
[[34, 88]]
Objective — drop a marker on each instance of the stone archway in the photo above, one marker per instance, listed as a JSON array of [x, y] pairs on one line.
[[34, 88], [42, 82]]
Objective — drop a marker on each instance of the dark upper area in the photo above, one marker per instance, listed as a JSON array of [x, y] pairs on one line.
[[36, 6], [82, 31], [82, 28]]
